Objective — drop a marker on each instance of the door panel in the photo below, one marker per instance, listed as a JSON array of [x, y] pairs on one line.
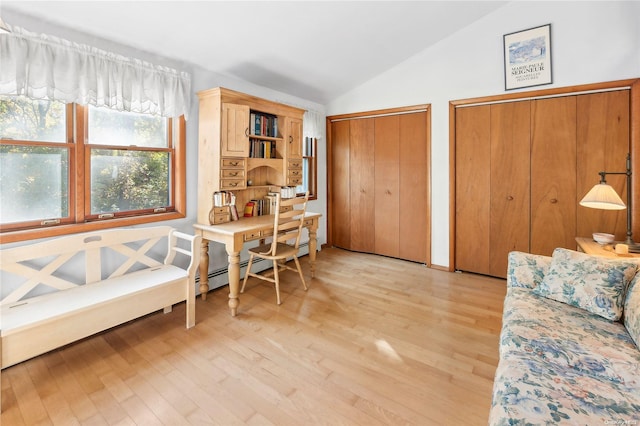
[[603, 135], [361, 153], [414, 231], [387, 211], [340, 184], [510, 182], [473, 188], [553, 174]]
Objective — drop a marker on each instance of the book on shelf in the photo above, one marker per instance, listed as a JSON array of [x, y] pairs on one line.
[[255, 124], [234, 212], [262, 149], [272, 202], [262, 206], [263, 124], [267, 150]]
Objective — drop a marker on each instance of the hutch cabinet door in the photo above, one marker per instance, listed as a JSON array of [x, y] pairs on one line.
[[235, 130], [294, 137]]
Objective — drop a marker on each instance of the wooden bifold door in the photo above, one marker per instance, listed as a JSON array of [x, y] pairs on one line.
[[379, 183], [521, 168]]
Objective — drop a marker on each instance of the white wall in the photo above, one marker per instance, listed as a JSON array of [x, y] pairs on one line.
[[590, 41]]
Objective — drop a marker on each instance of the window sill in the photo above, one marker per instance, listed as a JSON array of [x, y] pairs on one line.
[[55, 231]]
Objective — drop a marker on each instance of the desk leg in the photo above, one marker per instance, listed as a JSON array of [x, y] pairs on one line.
[[313, 245], [234, 280], [204, 268]]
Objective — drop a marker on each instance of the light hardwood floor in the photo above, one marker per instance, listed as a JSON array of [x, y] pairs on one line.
[[375, 341]]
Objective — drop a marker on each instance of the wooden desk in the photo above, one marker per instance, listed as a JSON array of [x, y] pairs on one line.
[[233, 235], [587, 245]]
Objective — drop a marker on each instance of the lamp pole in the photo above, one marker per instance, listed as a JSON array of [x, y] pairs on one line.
[[629, 241]]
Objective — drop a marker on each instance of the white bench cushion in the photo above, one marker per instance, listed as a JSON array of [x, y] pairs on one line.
[[36, 310]]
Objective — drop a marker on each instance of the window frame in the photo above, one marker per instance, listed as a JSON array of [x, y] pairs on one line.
[[80, 218], [311, 177]]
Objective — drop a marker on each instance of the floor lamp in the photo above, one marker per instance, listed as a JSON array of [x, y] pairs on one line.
[[603, 196]]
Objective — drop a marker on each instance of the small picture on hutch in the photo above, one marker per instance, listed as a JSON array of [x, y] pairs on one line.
[[527, 58]]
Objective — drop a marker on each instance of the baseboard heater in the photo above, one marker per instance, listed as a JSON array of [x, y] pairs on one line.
[[243, 265]]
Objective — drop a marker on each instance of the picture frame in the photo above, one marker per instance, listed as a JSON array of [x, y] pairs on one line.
[[527, 58]]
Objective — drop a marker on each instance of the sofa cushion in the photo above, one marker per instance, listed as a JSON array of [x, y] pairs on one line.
[[571, 337], [597, 284], [534, 392], [632, 310], [526, 269], [563, 364]]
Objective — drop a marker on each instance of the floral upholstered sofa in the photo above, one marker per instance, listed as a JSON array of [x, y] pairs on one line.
[[570, 342]]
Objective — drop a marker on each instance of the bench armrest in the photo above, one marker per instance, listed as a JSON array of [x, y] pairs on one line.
[[193, 250], [526, 270]]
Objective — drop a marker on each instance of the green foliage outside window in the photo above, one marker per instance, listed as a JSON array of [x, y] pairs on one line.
[[35, 159], [128, 180]]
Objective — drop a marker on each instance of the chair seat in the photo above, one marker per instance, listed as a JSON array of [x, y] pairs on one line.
[[282, 250]]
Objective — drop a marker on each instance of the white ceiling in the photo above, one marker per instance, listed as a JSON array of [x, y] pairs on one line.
[[315, 50]]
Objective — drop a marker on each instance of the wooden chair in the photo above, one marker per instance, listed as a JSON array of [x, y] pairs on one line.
[[287, 228]]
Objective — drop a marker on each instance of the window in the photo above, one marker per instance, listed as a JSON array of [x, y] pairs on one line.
[[309, 168], [70, 168]]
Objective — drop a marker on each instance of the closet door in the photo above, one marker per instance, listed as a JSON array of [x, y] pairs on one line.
[[473, 188], [340, 184], [553, 174], [414, 191], [603, 135], [510, 183], [361, 154], [387, 185]]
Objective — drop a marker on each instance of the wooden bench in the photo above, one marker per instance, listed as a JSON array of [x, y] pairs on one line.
[[64, 289]]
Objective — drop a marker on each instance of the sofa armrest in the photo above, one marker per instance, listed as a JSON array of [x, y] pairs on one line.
[[526, 270]]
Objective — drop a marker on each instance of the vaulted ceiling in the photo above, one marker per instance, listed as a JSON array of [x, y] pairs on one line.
[[316, 50]]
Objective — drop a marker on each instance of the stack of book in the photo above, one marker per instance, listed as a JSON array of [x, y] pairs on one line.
[[262, 149], [261, 206], [263, 124]]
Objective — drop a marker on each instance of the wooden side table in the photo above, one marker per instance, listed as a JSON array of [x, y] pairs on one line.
[[587, 245]]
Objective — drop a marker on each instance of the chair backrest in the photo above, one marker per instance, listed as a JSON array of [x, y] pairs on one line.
[[288, 220]]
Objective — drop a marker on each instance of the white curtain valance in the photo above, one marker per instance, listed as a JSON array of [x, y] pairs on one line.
[[313, 124], [47, 67]]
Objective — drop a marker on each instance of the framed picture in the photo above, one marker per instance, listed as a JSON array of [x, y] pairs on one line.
[[527, 58]]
